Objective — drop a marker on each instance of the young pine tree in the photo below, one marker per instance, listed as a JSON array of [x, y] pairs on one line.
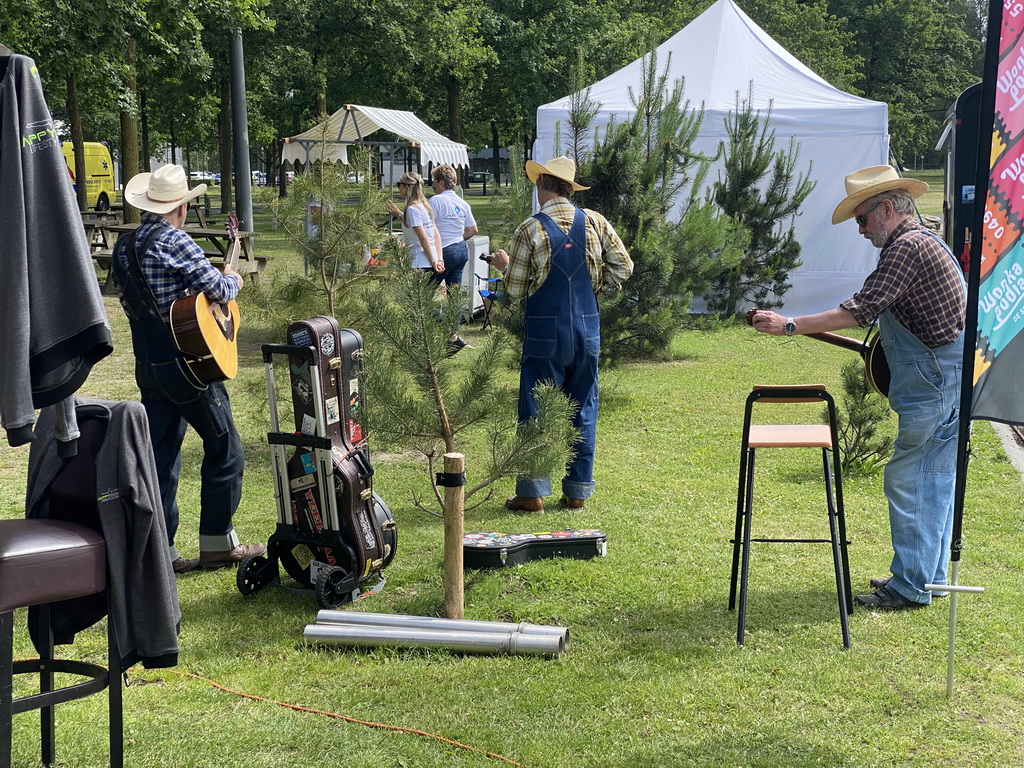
[[642, 175], [761, 190], [422, 398]]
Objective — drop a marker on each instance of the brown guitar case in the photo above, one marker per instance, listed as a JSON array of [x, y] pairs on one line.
[[364, 520], [334, 533]]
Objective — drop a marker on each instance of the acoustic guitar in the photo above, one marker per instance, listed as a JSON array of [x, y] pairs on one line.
[[876, 367], [207, 331]]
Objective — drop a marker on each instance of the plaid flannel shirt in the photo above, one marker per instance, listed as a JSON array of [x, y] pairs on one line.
[[175, 265], [529, 256], [920, 282]]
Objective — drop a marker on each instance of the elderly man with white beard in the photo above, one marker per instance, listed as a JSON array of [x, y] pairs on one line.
[[916, 294]]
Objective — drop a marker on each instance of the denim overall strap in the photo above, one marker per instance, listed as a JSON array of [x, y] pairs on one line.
[[562, 341], [924, 392]]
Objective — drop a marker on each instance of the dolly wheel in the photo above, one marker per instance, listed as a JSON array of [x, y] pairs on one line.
[[333, 587], [254, 573]]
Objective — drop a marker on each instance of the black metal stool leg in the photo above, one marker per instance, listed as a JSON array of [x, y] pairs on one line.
[[837, 550], [115, 694], [741, 505], [745, 569], [47, 737], [6, 686]]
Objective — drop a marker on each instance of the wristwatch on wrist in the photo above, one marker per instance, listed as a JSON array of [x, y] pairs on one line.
[[790, 327]]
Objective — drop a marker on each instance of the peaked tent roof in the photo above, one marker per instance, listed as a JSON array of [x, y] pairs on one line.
[[353, 123], [720, 54]]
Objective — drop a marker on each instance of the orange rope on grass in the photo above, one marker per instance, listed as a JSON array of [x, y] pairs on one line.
[[299, 708]]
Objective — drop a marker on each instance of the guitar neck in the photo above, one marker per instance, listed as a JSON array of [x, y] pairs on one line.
[[231, 259], [845, 342]]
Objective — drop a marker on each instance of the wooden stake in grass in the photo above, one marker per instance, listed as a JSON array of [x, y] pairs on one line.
[[453, 481]]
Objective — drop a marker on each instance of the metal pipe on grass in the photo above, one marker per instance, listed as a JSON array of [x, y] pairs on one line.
[[516, 643], [360, 618]]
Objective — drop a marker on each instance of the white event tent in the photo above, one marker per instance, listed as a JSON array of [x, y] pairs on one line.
[[721, 54], [351, 124]]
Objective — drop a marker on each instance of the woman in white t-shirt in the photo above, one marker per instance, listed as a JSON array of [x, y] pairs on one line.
[[455, 223], [418, 229]]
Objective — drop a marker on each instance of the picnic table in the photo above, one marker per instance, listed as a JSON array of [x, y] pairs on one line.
[[212, 240], [97, 228]]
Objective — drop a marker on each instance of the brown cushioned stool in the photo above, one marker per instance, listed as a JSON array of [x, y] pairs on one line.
[[817, 435], [41, 562]]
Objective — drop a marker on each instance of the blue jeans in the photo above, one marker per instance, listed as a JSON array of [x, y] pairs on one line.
[[209, 414], [920, 476], [455, 257]]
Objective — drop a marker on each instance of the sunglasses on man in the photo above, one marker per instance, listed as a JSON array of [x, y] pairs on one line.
[[862, 220]]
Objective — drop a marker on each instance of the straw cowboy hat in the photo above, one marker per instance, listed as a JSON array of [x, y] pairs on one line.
[[868, 182], [561, 168], [161, 191]]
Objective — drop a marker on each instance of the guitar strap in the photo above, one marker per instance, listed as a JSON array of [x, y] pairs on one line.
[[136, 294], [148, 326]]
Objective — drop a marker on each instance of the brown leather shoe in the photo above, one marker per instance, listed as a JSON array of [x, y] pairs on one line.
[[525, 504], [185, 565], [571, 503], [213, 560]]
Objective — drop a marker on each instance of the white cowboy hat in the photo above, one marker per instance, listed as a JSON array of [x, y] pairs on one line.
[[561, 168], [868, 182], [161, 191]]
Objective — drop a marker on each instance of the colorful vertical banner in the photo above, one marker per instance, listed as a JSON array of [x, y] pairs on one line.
[[999, 354]]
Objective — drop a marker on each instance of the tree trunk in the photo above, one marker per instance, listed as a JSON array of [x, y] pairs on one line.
[[78, 142], [174, 144], [130, 127], [224, 147], [495, 154], [146, 164], [454, 106]]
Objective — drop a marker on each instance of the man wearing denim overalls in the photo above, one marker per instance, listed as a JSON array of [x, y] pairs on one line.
[[559, 260], [917, 294]]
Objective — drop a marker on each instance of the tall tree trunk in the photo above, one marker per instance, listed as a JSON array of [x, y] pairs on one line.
[[454, 106], [174, 144], [146, 163], [495, 154], [454, 88], [130, 127], [78, 142], [224, 147]]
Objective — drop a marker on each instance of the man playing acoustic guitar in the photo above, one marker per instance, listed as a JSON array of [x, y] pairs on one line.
[[917, 295], [153, 266]]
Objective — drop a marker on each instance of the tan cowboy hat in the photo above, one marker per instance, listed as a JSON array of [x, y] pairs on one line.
[[561, 168], [868, 182], [161, 191]]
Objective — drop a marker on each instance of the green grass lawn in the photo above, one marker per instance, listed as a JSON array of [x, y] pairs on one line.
[[652, 675]]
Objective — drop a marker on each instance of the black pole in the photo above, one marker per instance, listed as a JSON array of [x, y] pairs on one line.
[[986, 118], [240, 124]]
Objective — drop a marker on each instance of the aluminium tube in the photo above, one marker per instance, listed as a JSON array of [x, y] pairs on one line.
[[364, 619], [464, 642]]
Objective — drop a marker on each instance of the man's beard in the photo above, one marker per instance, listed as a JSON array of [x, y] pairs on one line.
[[882, 231]]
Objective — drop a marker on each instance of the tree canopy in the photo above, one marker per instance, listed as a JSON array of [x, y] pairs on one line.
[[474, 69]]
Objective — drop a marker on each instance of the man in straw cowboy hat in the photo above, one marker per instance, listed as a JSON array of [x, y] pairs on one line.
[[153, 266], [559, 260], [916, 293]]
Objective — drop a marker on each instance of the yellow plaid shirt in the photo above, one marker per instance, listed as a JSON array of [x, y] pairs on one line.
[[529, 257]]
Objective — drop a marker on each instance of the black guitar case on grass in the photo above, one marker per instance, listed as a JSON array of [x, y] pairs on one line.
[[501, 550]]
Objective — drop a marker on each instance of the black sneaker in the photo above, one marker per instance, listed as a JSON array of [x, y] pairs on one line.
[[456, 345], [886, 599]]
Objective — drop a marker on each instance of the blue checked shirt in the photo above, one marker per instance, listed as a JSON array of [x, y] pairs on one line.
[[175, 265]]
